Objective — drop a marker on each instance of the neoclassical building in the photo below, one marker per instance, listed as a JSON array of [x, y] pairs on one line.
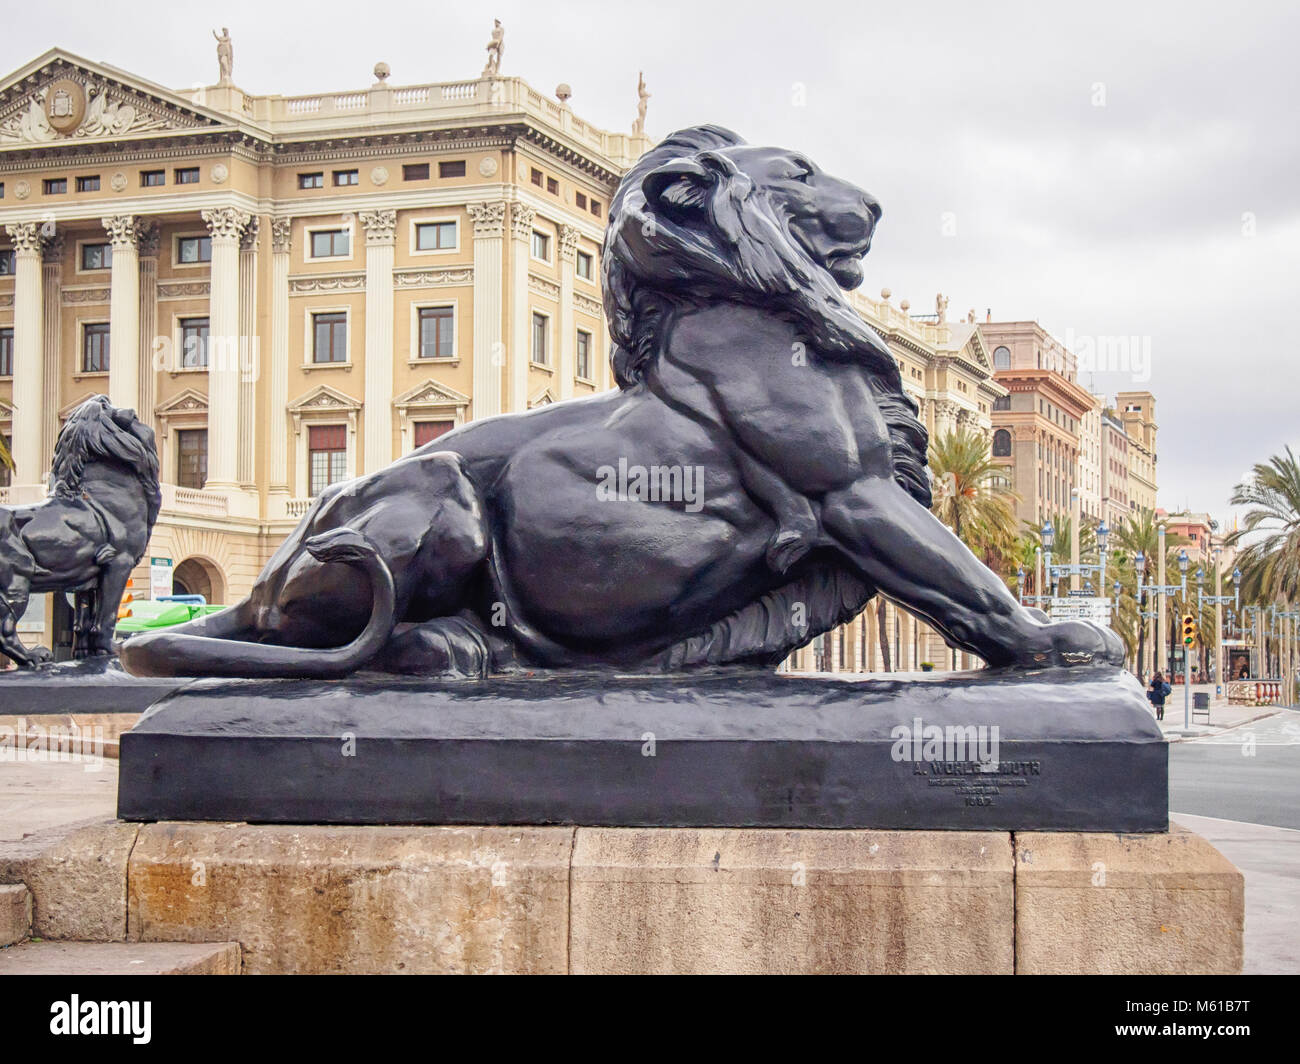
[[291, 290]]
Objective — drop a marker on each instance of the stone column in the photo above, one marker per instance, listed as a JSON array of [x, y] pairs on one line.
[[521, 228], [52, 299], [149, 239], [249, 355], [277, 446], [29, 353], [1161, 656], [226, 224], [378, 441], [124, 313], [568, 336], [489, 228]]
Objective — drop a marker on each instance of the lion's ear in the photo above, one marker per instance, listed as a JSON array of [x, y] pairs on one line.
[[681, 186]]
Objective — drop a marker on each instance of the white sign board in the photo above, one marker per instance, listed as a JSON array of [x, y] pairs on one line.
[[160, 578], [1096, 610], [32, 622]]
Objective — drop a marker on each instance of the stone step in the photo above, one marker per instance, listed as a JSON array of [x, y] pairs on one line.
[[121, 958], [15, 913]]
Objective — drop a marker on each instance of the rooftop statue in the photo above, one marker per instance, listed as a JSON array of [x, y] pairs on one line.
[[757, 478], [225, 55], [495, 49], [88, 535]]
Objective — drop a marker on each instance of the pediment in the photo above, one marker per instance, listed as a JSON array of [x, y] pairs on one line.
[[186, 402], [543, 398], [324, 398], [63, 99], [430, 393]]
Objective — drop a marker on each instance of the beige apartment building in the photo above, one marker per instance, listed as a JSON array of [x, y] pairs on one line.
[[1137, 410], [292, 290], [1116, 497]]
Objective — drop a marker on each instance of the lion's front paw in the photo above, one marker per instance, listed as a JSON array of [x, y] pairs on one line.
[[1074, 643]]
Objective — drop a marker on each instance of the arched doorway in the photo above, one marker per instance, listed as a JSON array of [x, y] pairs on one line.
[[197, 576]]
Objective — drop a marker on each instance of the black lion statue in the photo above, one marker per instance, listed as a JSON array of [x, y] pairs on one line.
[[757, 478], [88, 535]]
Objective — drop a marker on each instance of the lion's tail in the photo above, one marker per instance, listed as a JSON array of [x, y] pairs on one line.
[[201, 653]]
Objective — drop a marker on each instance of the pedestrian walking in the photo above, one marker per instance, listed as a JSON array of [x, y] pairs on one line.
[[1157, 693]]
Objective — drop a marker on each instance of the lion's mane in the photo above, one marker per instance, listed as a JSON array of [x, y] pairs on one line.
[[98, 432], [743, 254]]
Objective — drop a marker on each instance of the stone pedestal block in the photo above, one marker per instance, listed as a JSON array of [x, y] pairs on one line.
[[358, 900], [1152, 904], [727, 901]]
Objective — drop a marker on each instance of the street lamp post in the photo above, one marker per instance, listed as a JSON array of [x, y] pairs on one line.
[[1163, 591]]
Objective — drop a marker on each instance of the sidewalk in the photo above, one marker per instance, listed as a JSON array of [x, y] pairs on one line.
[[1222, 715]]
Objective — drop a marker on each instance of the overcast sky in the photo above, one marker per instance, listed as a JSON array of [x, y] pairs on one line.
[[1109, 169]]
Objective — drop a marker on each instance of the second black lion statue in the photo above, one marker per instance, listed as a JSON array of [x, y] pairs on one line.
[[758, 476]]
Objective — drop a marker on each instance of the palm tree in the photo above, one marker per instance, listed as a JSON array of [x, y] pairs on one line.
[[1141, 533], [6, 459], [971, 496], [1270, 564]]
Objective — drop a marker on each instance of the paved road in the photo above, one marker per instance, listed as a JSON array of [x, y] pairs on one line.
[[1250, 773]]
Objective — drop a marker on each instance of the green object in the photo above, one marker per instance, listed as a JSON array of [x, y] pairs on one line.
[[147, 616]]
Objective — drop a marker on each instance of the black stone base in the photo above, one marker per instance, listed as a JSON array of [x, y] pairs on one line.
[[1077, 750], [93, 685]]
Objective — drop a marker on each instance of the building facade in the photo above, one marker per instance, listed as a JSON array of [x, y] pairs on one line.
[[1114, 468], [1137, 410], [292, 290]]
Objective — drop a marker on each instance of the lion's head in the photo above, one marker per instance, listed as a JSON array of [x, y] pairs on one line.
[[97, 431], [704, 217]]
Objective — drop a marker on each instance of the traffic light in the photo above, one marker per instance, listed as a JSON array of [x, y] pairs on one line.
[[1189, 629]]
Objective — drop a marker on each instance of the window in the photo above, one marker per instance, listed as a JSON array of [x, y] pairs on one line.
[[583, 356], [541, 246], [94, 348], [330, 243], [56, 186], [330, 337], [595, 207], [1002, 402], [585, 266], [536, 177], [454, 168], [415, 172], [2, 190], [186, 175], [192, 458], [552, 186], [152, 178], [89, 183], [327, 456], [194, 343], [96, 256], [1002, 444], [580, 200], [6, 352], [540, 352], [437, 332], [435, 236], [311, 180], [191, 249], [7, 262], [428, 431], [347, 177], [1001, 358]]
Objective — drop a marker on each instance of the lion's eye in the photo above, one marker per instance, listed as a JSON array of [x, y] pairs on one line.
[[803, 172]]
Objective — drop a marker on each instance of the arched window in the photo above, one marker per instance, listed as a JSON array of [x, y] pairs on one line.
[[1001, 358], [1002, 444]]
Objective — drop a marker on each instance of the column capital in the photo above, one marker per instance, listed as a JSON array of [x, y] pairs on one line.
[[281, 235], [380, 226], [149, 237], [52, 250], [489, 219], [522, 217], [568, 243], [122, 230], [26, 236], [226, 223], [248, 239]]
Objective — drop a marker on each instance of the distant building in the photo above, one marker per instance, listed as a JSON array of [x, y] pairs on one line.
[[1137, 410]]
